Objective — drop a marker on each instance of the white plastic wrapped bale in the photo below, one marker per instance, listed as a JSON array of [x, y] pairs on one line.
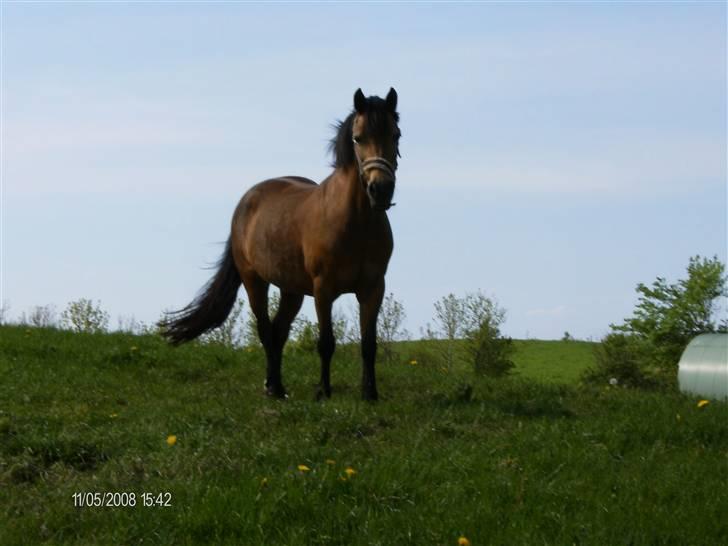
[[704, 367]]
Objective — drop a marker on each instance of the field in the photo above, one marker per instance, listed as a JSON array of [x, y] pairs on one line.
[[531, 459]]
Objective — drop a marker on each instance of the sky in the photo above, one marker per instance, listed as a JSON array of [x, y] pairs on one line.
[[554, 155]]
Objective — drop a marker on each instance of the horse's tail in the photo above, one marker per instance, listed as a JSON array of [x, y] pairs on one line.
[[210, 307]]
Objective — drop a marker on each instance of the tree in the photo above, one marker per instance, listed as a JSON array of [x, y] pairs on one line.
[[646, 348], [390, 326], [85, 316], [476, 319], [668, 316], [40, 316], [488, 350], [448, 320]]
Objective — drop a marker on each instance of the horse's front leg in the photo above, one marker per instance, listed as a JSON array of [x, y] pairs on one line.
[[324, 300], [370, 300]]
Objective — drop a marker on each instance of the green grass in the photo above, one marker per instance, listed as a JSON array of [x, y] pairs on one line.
[[532, 459]]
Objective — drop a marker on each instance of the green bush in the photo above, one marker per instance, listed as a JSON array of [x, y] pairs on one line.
[[645, 350], [85, 316]]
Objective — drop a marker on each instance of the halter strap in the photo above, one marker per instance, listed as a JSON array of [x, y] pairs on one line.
[[377, 163]]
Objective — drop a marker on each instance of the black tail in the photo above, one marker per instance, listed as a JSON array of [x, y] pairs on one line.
[[211, 306]]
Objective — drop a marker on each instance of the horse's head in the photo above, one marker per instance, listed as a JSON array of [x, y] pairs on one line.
[[375, 137]]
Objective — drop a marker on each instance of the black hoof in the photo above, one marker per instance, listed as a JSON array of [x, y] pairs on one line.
[[276, 391], [370, 395], [323, 393]]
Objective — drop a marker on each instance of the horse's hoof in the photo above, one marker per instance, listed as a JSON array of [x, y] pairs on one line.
[[276, 391], [322, 393], [370, 396]]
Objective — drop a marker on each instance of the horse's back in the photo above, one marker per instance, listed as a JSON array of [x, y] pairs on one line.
[[267, 226]]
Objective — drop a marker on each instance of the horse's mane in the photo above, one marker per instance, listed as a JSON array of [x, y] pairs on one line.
[[341, 145]]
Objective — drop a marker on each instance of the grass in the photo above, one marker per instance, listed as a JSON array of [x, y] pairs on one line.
[[531, 459]]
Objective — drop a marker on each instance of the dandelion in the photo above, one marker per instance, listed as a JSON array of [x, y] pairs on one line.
[[462, 541], [413, 362], [703, 403], [114, 415], [303, 468], [330, 461], [171, 440], [349, 472]]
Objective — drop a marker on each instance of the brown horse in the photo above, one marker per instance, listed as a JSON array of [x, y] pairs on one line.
[[309, 239]]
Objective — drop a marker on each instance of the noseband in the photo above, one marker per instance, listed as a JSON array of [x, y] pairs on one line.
[[376, 163]]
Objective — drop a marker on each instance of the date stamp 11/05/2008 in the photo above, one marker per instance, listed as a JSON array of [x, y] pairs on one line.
[[123, 499]]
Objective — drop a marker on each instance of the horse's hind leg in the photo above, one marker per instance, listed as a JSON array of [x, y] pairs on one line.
[[326, 342], [257, 290], [288, 308]]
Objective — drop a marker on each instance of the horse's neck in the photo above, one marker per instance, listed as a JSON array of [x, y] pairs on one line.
[[346, 198]]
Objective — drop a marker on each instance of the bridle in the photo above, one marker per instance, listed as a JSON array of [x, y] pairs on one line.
[[374, 163]]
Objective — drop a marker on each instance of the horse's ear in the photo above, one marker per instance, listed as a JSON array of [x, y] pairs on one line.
[[360, 102], [392, 99]]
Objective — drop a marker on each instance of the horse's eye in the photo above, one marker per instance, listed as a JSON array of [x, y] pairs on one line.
[[356, 140]]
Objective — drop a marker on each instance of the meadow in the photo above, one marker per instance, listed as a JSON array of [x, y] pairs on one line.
[[445, 455]]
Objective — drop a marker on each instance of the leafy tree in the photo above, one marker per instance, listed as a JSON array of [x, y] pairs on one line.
[[488, 350], [476, 319], [85, 316], [646, 348], [40, 316], [448, 321], [668, 316], [390, 326]]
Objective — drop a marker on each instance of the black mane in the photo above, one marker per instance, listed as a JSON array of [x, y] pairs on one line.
[[341, 145]]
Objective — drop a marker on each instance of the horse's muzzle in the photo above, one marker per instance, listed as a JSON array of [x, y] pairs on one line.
[[380, 193]]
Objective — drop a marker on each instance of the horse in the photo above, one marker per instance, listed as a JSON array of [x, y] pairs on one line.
[[321, 240]]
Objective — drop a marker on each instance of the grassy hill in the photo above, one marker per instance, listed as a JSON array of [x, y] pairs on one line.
[[535, 458]]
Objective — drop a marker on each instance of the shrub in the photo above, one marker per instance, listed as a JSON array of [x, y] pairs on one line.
[[390, 326], [40, 316], [620, 359], [645, 350], [476, 319], [85, 316], [447, 326], [489, 352]]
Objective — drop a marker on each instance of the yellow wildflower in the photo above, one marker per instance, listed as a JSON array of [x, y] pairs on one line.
[[303, 468], [171, 440], [113, 415], [349, 472], [330, 461], [413, 362], [703, 403], [462, 541]]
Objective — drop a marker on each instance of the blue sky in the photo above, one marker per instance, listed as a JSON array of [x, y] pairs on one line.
[[554, 155]]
